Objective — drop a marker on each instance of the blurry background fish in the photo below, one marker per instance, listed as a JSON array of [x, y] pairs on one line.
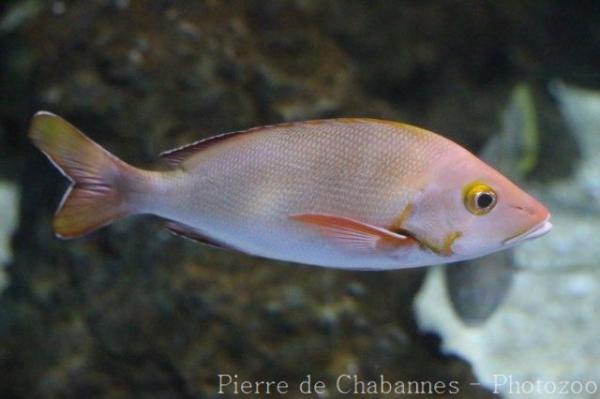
[[139, 313]]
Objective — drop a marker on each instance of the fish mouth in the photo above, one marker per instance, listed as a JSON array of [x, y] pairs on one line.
[[537, 231]]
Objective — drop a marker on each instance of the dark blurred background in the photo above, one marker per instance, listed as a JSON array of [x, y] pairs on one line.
[[131, 311]]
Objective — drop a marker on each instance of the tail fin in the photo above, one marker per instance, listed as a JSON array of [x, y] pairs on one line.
[[95, 197]]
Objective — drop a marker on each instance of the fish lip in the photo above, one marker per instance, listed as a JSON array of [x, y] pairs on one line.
[[536, 231]]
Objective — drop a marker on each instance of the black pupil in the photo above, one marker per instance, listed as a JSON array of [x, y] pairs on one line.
[[484, 200]]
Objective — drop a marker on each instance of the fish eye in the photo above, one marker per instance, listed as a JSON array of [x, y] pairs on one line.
[[479, 198], [484, 200]]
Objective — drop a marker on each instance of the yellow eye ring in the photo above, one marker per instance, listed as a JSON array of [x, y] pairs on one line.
[[479, 198]]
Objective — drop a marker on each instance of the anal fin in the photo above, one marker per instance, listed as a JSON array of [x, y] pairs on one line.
[[190, 233]]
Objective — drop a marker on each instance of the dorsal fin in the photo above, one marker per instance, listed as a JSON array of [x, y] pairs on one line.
[[176, 156]]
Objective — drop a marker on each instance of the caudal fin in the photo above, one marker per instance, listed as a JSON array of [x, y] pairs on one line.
[[96, 196]]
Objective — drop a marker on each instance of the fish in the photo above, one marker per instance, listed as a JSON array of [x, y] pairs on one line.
[[349, 193]]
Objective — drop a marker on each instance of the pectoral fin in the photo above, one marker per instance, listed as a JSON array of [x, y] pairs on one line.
[[354, 234]]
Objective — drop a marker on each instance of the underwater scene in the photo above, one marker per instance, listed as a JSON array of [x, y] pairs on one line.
[[332, 246]]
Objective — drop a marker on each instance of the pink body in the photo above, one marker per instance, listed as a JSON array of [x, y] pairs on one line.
[[347, 193]]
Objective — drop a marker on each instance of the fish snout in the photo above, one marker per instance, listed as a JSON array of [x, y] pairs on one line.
[[539, 216], [534, 211], [539, 213]]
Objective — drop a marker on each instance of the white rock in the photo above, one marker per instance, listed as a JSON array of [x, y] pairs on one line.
[[546, 330]]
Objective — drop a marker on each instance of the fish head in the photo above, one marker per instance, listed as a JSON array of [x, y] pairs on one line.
[[468, 209]]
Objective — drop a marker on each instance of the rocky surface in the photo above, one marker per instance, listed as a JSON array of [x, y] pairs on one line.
[[131, 311]]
